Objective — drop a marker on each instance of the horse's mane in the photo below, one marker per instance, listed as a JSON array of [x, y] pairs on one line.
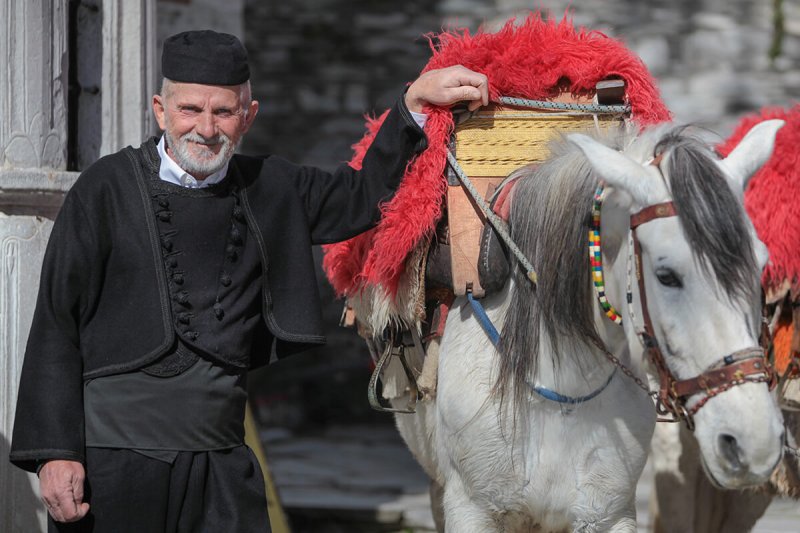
[[550, 217]]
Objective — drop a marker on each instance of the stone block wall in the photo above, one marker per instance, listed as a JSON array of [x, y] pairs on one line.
[[319, 64]]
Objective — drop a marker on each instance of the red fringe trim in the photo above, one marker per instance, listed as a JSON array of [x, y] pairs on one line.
[[772, 197], [533, 60]]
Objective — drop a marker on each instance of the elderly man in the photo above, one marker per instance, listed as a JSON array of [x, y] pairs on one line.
[[172, 269]]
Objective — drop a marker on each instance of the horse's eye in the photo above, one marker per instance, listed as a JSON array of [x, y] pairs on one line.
[[668, 278]]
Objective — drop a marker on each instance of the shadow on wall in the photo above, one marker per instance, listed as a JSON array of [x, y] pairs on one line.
[[21, 511]]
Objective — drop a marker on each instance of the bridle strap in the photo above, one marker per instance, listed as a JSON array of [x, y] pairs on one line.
[[662, 210], [666, 402], [735, 369], [752, 364]]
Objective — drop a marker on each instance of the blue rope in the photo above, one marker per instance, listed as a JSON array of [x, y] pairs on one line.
[[494, 336], [560, 398], [485, 321]]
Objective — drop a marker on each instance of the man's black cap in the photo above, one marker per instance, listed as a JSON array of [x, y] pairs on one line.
[[205, 57]]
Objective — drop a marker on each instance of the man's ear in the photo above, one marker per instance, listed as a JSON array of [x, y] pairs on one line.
[[252, 111], [158, 111]]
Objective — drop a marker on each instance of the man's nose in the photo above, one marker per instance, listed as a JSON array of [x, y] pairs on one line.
[[206, 126]]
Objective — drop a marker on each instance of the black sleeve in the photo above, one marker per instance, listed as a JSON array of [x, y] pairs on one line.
[[346, 202], [49, 421]]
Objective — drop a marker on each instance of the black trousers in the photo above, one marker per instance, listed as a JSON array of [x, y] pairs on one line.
[[200, 492]]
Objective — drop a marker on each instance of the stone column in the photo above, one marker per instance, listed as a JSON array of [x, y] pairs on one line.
[[33, 148], [128, 77], [33, 176]]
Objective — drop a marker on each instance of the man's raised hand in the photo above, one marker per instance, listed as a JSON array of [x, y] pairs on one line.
[[447, 86]]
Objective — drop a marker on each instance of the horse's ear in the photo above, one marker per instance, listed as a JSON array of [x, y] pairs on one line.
[[751, 153], [616, 169]]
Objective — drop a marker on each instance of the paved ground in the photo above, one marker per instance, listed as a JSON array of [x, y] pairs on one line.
[[363, 480]]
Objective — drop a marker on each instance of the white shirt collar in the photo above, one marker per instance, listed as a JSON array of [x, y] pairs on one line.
[[170, 171]]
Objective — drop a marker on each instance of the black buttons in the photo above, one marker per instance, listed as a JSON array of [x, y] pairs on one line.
[[236, 235], [181, 297]]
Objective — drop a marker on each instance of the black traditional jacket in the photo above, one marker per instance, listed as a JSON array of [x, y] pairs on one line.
[[103, 306]]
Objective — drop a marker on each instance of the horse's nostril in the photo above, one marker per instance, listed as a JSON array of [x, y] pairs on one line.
[[730, 451]]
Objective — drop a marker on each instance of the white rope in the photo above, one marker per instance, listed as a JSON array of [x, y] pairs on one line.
[[588, 108]]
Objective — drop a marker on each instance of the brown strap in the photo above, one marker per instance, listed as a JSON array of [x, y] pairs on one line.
[[665, 379], [666, 209], [712, 379], [795, 344]]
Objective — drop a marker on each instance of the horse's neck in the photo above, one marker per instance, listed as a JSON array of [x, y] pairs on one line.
[[578, 369]]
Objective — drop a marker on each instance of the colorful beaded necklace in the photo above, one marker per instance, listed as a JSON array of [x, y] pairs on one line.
[[596, 258]]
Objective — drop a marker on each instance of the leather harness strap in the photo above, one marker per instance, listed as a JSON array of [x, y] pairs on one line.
[[752, 364], [663, 210]]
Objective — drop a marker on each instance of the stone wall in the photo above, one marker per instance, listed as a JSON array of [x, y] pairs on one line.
[[319, 64]]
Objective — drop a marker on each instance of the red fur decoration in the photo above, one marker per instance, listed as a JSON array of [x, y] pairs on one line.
[[771, 197], [530, 60]]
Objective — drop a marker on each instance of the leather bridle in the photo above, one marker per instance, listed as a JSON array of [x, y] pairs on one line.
[[744, 366]]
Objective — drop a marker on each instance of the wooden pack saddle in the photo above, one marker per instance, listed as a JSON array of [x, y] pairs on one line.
[[488, 145]]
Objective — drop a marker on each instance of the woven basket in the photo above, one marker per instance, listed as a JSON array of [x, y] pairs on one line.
[[496, 142], [488, 146]]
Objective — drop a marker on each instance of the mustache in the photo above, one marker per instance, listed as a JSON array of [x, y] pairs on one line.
[[220, 138]]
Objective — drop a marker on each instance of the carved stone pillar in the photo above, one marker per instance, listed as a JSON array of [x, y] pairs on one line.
[[33, 148], [22, 242], [33, 126], [128, 78], [34, 130]]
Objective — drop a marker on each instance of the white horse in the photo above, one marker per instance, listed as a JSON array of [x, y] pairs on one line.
[[544, 432]]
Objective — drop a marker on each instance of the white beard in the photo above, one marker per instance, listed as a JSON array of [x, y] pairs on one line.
[[200, 159]]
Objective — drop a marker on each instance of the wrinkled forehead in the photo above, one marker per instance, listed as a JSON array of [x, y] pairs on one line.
[[230, 95]]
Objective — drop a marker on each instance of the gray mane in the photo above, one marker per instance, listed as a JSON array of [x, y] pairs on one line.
[[550, 217]]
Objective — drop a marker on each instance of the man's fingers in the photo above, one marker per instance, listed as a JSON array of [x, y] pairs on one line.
[[477, 80], [77, 489], [464, 93], [61, 485], [81, 508], [447, 86], [52, 508], [66, 509], [80, 512]]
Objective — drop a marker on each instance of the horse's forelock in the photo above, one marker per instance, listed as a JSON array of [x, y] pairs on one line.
[[712, 217]]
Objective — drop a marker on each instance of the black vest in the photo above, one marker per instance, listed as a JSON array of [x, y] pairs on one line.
[[213, 274]]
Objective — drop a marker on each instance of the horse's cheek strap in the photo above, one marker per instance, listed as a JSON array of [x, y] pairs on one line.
[[713, 379]]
